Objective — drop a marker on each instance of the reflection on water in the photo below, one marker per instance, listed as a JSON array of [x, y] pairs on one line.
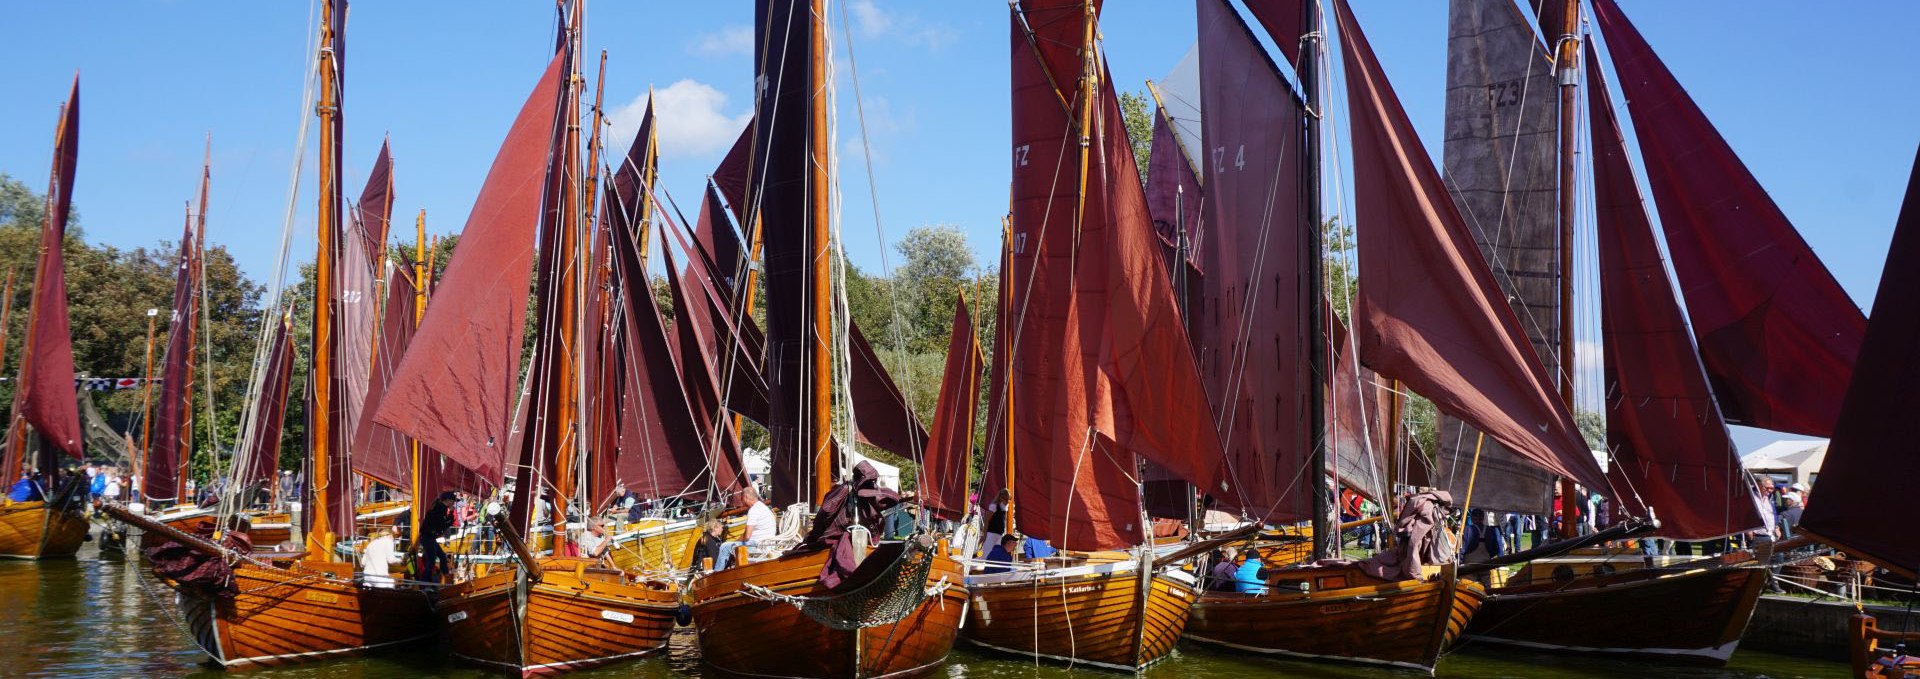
[[96, 617]]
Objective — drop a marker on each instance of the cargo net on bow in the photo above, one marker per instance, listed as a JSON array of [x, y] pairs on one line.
[[885, 599]]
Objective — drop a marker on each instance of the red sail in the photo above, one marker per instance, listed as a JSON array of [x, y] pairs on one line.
[[1429, 312], [1859, 507], [719, 324], [715, 234], [1356, 406], [454, 389], [45, 400], [698, 378], [379, 451], [1285, 22], [735, 171], [661, 451], [1249, 332], [1778, 334], [173, 405], [1669, 445], [374, 213], [882, 417], [1174, 196], [263, 449], [943, 475]]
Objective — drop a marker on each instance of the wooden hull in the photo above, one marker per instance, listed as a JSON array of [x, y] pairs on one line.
[[32, 530], [655, 545], [268, 529], [745, 636], [287, 616], [1696, 615], [1347, 617], [572, 619], [1095, 615]]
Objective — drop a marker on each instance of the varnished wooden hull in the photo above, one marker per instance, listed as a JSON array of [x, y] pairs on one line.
[[656, 545], [1095, 615], [1696, 616], [1402, 624], [288, 616], [745, 636], [268, 529], [32, 530], [567, 621]]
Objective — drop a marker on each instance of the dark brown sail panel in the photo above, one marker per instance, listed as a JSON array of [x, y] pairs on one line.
[[379, 451], [1356, 404], [374, 213], [715, 233], [731, 341], [1285, 23], [173, 407], [1858, 508], [661, 451], [1429, 312], [1669, 444], [45, 399], [263, 449], [1501, 162], [943, 475], [882, 417], [735, 171], [1248, 330], [454, 389], [698, 371], [1174, 196], [1777, 333]]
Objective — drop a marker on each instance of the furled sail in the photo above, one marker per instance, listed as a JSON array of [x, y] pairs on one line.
[[167, 446], [454, 390], [1669, 444], [1500, 160], [1248, 329], [943, 475], [45, 397], [1429, 312], [1859, 508], [1777, 333]]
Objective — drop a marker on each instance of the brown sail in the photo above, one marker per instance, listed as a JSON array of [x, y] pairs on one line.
[[263, 446], [944, 475], [1429, 312], [884, 419], [1777, 333], [454, 390], [379, 451], [44, 399], [167, 447]]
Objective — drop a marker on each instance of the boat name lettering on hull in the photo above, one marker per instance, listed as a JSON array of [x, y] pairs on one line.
[[617, 616]]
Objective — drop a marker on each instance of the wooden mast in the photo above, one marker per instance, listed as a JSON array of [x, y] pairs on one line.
[[420, 502], [325, 442], [13, 422], [1006, 410], [1566, 65], [818, 425], [1326, 538], [563, 417], [183, 469], [146, 386]]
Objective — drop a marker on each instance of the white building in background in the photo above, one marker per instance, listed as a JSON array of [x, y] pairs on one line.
[[1795, 461], [760, 461]]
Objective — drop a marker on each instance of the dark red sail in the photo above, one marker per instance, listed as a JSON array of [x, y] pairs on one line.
[[379, 451], [1249, 330], [1669, 444], [1858, 506], [735, 171], [270, 412], [1429, 312], [454, 389], [699, 380], [1778, 334], [949, 458], [374, 213], [882, 417], [173, 403], [1285, 23], [661, 451], [45, 398], [1174, 196]]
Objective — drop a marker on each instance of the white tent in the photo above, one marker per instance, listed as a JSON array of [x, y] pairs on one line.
[[759, 464], [1798, 460]]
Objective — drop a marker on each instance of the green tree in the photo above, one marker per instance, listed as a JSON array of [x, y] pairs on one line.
[[1137, 110]]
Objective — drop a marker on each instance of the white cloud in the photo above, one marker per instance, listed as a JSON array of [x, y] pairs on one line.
[[691, 116], [873, 22], [726, 42]]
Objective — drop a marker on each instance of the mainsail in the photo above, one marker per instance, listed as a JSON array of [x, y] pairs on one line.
[[168, 442], [949, 454], [1429, 312], [1778, 334], [1857, 509], [1500, 161], [1669, 444], [45, 396], [455, 388]]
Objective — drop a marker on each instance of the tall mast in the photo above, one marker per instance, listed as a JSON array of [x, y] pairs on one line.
[[1326, 538], [819, 424], [1566, 67], [420, 488], [326, 483]]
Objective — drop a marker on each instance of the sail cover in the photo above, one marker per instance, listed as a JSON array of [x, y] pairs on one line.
[[454, 389], [45, 399], [1777, 333], [943, 477], [1857, 508], [1429, 312], [1248, 330], [1500, 160], [1669, 445]]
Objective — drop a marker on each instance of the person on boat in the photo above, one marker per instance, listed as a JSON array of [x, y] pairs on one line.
[[376, 563], [1035, 549], [707, 550], [96, 482], [593, 543], [1220, 578], [997, 517], [761, 529], [1005, 551], [899, 521], [1792, 503], [1482, 527], [437, 525], [24, 490], [1250, 575]]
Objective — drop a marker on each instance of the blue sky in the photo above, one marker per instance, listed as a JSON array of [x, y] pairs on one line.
[[1820, 112]]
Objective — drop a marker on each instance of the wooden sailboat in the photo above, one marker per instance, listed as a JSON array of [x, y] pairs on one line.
[[53, 524], [915, 589]]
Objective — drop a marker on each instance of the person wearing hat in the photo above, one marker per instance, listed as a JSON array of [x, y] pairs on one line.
[[439, 523], [1791, 504]]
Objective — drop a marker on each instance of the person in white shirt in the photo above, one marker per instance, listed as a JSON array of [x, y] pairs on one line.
[[761, 529], [593, 541], [112, 493], [377, 561]]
